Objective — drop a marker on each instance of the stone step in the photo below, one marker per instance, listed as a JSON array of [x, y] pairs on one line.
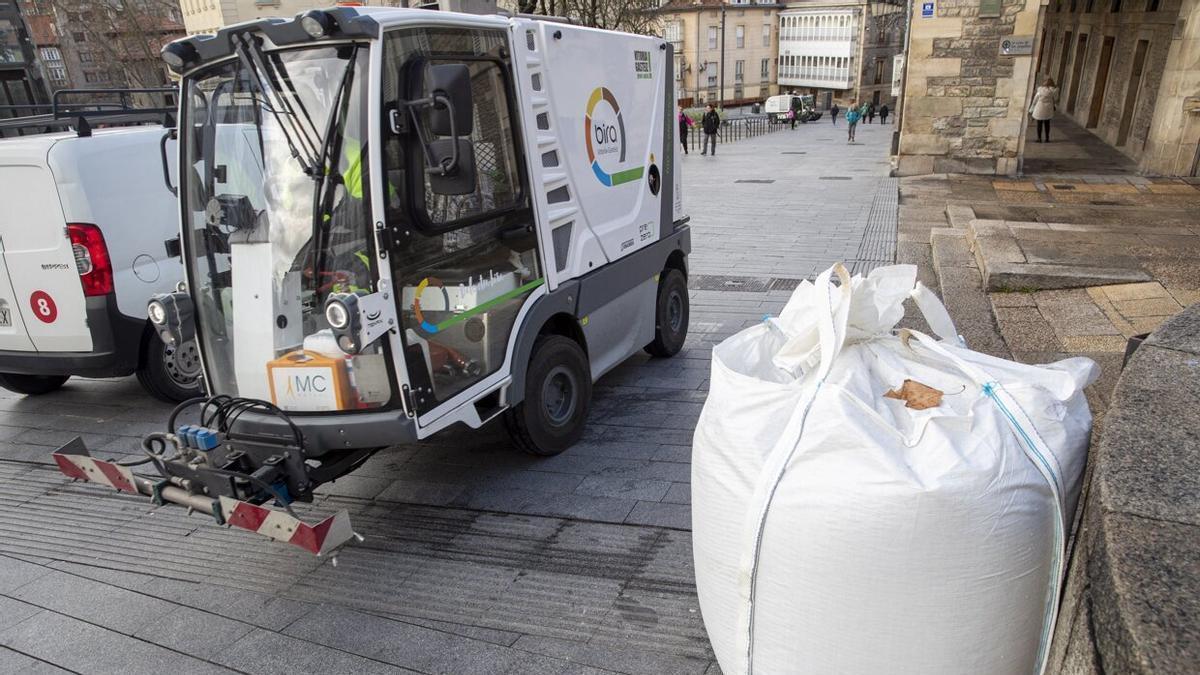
[[1006, 264], [962, 293]]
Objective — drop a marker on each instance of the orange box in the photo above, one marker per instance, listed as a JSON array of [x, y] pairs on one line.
[[308, 381]]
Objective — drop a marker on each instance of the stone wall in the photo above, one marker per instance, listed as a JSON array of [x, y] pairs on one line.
[[964, 103], [1173, 144]]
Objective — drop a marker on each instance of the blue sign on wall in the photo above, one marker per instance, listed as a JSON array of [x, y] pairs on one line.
[[926, 10]]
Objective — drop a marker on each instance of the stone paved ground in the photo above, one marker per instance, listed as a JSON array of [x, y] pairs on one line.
[[477, 559]]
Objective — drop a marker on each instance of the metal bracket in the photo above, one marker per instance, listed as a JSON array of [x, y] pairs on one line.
[[376, 313]]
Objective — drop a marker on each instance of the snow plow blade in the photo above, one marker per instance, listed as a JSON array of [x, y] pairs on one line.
[[327, 536]]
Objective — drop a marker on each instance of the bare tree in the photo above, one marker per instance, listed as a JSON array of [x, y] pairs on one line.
[[631, 16], [123, 37]]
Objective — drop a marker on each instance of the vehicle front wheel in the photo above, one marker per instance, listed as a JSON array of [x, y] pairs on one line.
[[170, 373], [671, 314], [558, 396], [32, 385]]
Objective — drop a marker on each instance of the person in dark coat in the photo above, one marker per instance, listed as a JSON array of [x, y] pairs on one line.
[[833, 113], [883, 113], [871, 114], [711, 124]]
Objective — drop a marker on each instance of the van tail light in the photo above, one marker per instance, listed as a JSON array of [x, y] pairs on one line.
[[91, 257]]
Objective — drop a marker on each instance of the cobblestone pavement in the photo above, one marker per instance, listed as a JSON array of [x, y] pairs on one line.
[[477, 559]]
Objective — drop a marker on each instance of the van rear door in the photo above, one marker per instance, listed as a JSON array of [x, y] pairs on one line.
[[41, 283]]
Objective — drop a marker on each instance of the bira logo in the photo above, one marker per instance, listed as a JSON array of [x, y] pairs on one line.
[[605, 135]]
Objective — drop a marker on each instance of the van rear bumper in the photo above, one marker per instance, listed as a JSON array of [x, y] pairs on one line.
[[116, 347]]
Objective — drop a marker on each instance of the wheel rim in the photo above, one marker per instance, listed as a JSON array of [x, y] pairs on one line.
[[675, 311], [559, 394], [182, 364]]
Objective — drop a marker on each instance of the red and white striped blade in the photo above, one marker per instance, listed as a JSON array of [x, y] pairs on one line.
[[87, 468], [319, 539]]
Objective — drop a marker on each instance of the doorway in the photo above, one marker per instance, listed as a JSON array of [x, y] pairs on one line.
[[1134, 90], [1077, 72], [1101, 85]]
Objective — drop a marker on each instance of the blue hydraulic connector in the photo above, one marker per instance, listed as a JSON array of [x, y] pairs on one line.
[[206, 439], [185, 435]]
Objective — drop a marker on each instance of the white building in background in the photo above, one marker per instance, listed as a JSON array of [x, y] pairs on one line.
[[839, 50], [818, 48]]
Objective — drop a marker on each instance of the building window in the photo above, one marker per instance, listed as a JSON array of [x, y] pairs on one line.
[[712, 37], [739, 70], [766, 35], [765, 73], [672, 31], [51, 54], [740, 33], [58, 73], [1116, 6], [711, 71], [1151, 5], [86, 57], [79, 37]]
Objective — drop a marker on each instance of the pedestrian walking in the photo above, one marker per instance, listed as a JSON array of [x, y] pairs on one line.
[[711, 124], [791, 116], [1043, 106], [852, 116], [883, 113], [871, 113], [833, 113], [684, 123]]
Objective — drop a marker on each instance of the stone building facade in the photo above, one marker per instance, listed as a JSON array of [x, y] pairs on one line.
[[964, 104], [1126, 71], [693, 27], [1108, 58]]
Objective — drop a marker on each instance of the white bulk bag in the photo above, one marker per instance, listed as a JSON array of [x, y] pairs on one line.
[[838, 531]]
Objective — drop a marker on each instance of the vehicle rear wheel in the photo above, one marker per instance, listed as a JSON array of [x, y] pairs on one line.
[[172, 373], [671, 314], [558, 396], [32, 385]]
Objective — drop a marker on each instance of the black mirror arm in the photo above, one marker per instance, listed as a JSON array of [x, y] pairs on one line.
[[432, 165]]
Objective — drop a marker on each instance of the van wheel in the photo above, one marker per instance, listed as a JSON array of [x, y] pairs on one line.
[[172, 373], [32, 385], [558, 396], [671, 314]]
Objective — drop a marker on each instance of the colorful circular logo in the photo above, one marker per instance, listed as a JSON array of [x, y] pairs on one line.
[[604, 131]]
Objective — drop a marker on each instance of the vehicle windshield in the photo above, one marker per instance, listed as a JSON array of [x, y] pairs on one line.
[[277, 207]]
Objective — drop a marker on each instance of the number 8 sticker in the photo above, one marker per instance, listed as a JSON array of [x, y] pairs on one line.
[[43, 306]]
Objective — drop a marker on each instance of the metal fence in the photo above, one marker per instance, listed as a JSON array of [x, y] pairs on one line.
[[734, 129]]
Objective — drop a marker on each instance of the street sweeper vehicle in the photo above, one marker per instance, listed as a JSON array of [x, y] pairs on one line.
[[398, 220]]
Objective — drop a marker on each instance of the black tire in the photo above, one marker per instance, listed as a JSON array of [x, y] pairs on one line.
[[32, 385], [558, 397], [169, 374], [671, 314]]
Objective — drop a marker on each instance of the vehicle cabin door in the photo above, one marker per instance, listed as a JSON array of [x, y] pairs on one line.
[[464, 252], [40, 291]]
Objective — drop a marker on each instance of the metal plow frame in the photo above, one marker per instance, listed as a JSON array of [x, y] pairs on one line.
[[75, 462]]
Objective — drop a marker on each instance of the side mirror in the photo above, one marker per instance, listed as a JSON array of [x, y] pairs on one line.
[[449, 84]]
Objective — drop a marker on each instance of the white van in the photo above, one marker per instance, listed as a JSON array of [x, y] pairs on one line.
[[84, 233]]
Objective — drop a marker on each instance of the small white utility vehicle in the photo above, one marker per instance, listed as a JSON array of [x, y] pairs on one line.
[[84, 245], [398, 220]]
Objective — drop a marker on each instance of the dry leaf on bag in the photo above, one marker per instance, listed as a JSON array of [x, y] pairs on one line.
[[916, 395]]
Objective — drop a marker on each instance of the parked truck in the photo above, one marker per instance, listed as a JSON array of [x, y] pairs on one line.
[[398, 220]]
